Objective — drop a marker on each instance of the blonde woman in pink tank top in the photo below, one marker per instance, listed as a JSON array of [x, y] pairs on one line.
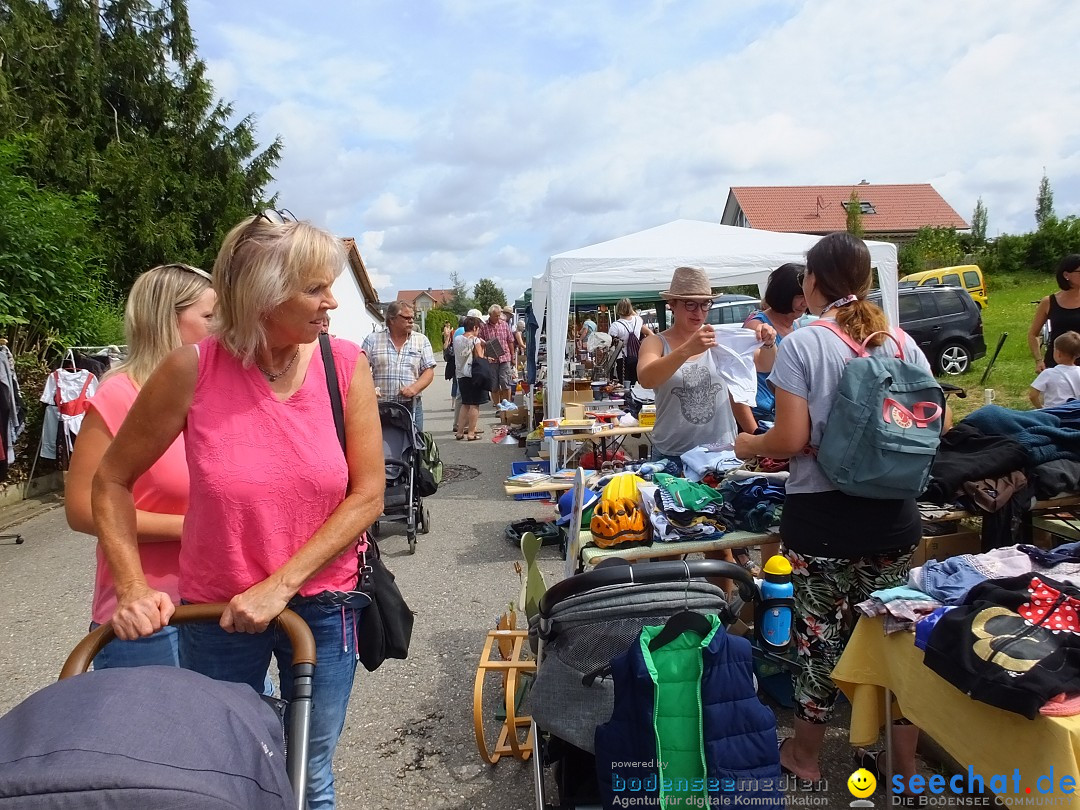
[[275, 506], [169, 306]]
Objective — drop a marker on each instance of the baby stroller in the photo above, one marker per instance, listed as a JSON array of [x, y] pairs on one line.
[[587, 620], [402, 449], [161, 737]]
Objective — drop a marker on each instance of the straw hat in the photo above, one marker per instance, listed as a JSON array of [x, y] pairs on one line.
[[689, 283]]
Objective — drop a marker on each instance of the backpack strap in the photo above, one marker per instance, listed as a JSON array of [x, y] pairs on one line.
[[896, 335]]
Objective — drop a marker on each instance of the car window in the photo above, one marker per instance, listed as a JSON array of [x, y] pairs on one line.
[[926, 282], [909, 308], [928, 303], [951, 303], [971, 279], [952, 280], [713, 316], [743, 312]]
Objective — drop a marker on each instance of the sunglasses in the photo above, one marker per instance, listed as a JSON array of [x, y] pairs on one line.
[[275, 216]]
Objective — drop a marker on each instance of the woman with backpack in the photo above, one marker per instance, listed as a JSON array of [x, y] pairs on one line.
[[841, 546], [630, 329]]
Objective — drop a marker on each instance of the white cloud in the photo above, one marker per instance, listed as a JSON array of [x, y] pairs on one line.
[[481, 136]]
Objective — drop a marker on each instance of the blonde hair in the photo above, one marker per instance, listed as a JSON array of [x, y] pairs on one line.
[[625, 308], [150, 326], [260, 265]]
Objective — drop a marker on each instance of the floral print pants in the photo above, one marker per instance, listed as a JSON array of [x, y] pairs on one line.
[[826, 591]]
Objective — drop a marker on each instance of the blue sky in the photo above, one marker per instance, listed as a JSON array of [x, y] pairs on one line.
[[482, 136]]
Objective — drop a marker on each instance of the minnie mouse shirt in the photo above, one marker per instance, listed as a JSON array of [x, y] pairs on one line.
[[1014, 643]]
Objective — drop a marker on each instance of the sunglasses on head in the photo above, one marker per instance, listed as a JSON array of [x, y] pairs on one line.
[[275, 216]]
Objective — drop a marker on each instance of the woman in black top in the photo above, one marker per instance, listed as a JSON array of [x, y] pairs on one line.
[[1062, 309]]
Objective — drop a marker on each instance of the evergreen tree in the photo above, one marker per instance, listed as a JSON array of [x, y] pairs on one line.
[[459, 302], [854, 215], [978, 224], [118, 104], [1044, 202]]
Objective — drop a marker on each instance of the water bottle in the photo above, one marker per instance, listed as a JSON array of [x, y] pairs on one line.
[[776, 620]]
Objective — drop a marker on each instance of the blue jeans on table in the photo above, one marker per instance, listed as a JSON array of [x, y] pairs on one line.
[[656, 455], [161, 649], [244, 657]]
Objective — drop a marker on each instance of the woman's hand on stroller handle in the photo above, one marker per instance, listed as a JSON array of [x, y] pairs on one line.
[[141, 611], [254, 609]]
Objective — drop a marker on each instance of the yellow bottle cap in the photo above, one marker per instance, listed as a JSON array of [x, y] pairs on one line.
[[777, 566]]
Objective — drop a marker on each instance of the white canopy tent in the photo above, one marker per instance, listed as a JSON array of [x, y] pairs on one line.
[[644, 262]]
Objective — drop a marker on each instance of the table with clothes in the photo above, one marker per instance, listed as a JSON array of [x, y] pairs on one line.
[[982, 652], [720, 504], [997, 462]]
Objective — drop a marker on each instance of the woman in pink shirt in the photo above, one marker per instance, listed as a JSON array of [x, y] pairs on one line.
[[169, 306], [276, 507]]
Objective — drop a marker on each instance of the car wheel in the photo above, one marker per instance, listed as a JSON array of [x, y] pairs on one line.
[[953, 359]]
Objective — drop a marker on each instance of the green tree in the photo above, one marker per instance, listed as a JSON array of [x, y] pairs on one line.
[[931, 248], [433, 324], [1044, 202], [854, 215], [978, 225], [459, 302], [118, 105], [52, 291], [486, 293]]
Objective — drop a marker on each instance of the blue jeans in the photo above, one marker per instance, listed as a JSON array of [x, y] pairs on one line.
[[656, 455], [162, 649], [243, 658]]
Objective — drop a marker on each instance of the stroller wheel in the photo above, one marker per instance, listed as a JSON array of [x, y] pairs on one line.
[[412, 543], [425, 521]]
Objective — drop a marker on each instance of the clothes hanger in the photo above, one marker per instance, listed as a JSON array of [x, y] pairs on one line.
[[681, 622]]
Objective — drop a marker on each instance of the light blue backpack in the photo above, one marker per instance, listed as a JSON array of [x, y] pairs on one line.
[[885, 424]]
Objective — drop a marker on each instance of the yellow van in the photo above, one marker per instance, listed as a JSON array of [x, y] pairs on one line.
[[968, 276]]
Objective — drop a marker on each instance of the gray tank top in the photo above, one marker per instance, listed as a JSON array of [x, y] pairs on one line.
[[692, 407]]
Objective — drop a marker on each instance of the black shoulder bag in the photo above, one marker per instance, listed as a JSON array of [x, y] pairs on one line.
[[385, 626]]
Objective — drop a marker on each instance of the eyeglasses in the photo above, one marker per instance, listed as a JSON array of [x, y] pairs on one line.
[[407, 318], [696, 306]]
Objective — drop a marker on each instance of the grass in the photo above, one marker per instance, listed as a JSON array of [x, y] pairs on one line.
[[1009, 311]]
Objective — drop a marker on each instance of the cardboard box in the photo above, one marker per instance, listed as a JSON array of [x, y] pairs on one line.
[[943, 546], [512, 417]]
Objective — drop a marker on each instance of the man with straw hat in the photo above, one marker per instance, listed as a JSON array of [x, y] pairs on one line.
[[693, 406]]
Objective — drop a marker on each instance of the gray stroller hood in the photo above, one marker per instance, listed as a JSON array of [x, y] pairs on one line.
[[143, 737], [582, 633]]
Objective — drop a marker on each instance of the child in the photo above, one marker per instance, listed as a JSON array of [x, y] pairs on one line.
[[1057, 385]]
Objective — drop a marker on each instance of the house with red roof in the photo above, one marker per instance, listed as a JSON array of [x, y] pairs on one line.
[[893, 212], [425, 300]]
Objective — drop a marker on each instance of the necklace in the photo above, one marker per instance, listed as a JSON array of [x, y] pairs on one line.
[[271, 376]]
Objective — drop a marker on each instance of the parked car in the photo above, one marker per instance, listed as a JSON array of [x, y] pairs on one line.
[[945, 322], [966, 276], [732, 308]]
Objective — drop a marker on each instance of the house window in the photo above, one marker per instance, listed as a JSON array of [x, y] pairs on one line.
[[864, 207]]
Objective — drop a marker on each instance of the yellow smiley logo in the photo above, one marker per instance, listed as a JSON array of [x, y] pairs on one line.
[[861, 783]]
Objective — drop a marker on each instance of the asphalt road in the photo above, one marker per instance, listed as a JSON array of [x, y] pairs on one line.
[[408, 740]]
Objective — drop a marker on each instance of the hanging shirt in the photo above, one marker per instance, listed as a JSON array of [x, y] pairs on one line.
[[692, 407], [70, 385], [11, 422], [162, 489]]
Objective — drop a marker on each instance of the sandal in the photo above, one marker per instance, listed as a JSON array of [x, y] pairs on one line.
[[459, 436], [474, 438], [812, 785]]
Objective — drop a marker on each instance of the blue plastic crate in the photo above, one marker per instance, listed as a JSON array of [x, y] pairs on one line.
[[517, 467]]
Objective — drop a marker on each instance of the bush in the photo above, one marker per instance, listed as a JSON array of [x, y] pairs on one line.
[[434, 325]]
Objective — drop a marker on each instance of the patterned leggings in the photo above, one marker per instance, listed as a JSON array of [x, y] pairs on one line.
[[826, 591]]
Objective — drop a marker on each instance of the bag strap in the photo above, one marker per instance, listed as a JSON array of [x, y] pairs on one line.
[[860, 349], [333, 387]]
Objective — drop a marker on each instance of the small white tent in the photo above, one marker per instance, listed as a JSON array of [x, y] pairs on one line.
[[644, 262]]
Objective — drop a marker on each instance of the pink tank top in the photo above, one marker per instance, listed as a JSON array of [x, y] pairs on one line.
[[162, 489], [265, 475]]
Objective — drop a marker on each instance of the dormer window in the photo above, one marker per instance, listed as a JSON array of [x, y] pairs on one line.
[[864, 207]]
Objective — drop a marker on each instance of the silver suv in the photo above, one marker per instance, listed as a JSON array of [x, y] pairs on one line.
[[732, 308]]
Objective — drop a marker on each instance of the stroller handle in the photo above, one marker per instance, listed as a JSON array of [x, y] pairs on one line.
[[661, 571], [303, 643]]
